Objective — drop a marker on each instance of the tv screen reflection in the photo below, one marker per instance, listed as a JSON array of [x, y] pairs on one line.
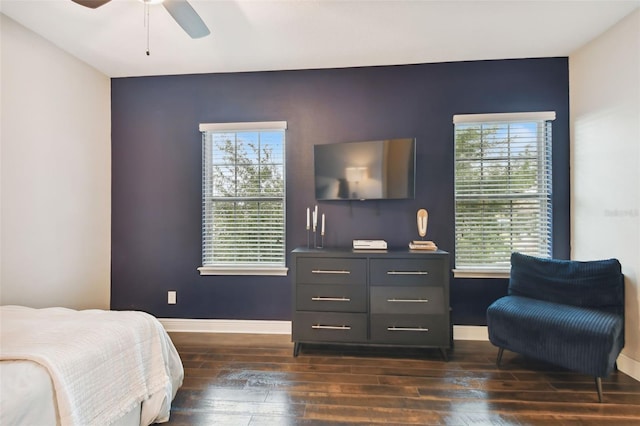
[[371, 170]]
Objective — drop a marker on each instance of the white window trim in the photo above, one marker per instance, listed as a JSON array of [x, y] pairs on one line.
[[242, 126], [481, 273], [250, 270], [505, 117], [238, 270]]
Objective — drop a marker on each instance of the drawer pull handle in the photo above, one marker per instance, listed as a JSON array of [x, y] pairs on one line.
[[330, 299], [407, 273], [408, 300], [325, 271], [331, 327], [407, 329]]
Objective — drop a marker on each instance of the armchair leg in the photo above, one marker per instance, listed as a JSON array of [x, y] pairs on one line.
[[599, 388], [499, 359]]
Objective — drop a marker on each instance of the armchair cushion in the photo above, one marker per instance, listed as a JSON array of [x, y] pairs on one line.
[[579, 339], [593, 284]]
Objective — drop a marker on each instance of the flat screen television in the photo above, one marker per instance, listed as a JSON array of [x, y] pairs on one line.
[[369, 170]]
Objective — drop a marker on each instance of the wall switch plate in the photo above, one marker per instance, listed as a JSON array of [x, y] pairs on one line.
[[171, 297]]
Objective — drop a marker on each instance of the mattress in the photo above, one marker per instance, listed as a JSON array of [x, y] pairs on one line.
[[32, 391]]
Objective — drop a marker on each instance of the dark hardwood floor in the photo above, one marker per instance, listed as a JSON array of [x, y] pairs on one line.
[[234, 379]]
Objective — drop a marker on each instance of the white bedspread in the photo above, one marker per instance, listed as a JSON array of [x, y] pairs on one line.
[[102, 363]]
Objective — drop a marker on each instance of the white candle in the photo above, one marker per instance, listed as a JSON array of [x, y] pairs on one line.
[[307, 217], [315, 218], [322, 231]]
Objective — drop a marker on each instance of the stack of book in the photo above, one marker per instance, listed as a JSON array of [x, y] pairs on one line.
[[422, 245]]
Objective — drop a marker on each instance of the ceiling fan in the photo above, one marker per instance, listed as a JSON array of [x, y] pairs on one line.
[[180, 10]]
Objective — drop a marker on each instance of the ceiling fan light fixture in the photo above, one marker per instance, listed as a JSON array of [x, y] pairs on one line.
[[91, 4], [151, 2]]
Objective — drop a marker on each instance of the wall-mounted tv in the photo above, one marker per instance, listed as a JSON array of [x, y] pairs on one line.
[[370, 170]]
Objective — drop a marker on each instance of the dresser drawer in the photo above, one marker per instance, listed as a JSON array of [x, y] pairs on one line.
[[407, 300], [428, 272], [331, 297], [329, 327], [331, 270], [419, 330]]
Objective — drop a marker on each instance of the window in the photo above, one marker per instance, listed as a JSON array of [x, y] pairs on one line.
[[243, 199], [502, 190]]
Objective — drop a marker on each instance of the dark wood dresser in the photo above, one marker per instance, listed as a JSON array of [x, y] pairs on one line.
[[396, 297]]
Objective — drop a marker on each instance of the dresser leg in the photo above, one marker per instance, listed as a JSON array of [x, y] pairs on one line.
[[443, 351], [296, 349]]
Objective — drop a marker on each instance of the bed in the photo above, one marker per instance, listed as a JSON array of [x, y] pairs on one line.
[[93, 367]]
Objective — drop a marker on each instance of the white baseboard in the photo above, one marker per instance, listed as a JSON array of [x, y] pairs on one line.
[[626, 364], [226, 326], [460, 332], [470, 332], [629, 366]]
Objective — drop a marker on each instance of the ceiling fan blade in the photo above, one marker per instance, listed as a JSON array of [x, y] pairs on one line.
[[186, 17], [93, 4]]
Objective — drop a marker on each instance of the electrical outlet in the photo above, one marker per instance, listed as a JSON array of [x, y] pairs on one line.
[[171, 297]]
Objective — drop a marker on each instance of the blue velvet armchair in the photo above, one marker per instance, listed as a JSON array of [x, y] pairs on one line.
[[564, 312]]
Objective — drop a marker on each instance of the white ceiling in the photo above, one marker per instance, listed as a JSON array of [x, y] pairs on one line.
[[260, 35]]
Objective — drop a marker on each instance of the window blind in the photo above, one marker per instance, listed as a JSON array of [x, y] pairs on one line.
[[503, 188], [243, 198]]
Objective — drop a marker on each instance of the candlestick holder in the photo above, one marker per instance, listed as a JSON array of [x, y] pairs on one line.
[[315, 227]]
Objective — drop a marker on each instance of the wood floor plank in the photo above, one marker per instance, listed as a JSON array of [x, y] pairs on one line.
[[250, 380]]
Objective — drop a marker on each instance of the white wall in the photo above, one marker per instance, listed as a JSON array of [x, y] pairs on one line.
[[604, 81], [55, 155]]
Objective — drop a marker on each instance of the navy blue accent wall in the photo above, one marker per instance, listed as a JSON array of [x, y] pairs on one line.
[[156, 161]]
